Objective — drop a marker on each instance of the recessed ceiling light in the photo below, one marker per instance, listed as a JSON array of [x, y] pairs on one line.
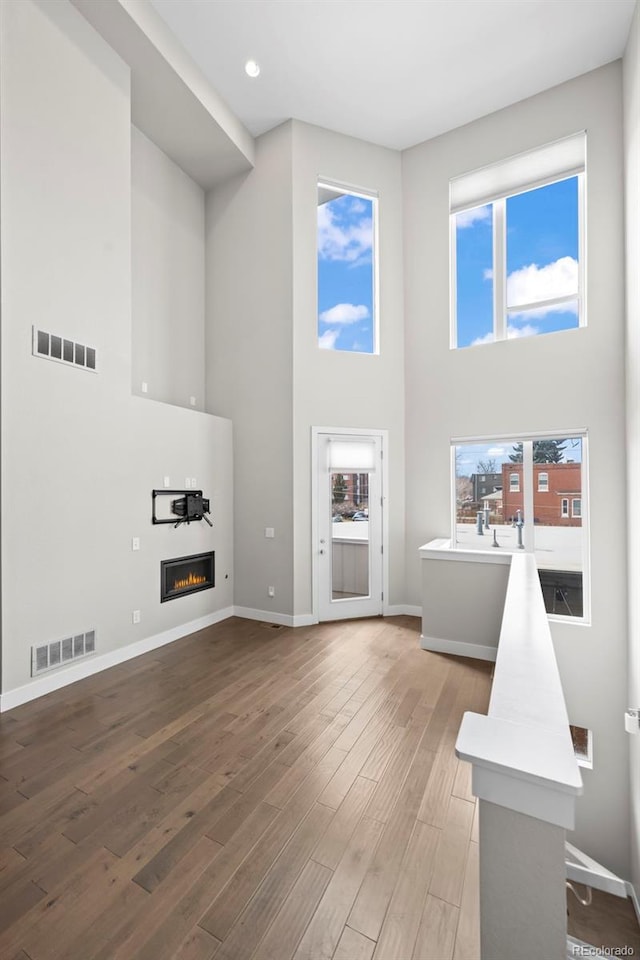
[[252, 69]]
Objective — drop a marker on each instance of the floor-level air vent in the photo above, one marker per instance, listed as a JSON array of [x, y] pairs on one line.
[[57, 653], [50, 346]]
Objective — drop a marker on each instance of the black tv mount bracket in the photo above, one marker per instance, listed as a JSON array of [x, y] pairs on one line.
[[189, 505]]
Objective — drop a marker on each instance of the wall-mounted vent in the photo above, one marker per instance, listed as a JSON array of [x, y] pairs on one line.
[[49, 346], [49, 656]]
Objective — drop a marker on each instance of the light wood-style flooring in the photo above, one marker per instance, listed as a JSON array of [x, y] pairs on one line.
[[247, 792]]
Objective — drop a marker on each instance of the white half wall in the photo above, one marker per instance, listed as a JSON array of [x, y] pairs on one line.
[[533, 385], [462, 605]]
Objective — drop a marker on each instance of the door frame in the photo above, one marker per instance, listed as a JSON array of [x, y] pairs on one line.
[[383, 435]]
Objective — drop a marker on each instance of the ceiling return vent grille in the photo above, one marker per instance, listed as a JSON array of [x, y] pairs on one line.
[[57, 653], [49, 346]]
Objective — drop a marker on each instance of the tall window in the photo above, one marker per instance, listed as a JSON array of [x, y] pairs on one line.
[[516, 246], [347, 283], [528, 513]]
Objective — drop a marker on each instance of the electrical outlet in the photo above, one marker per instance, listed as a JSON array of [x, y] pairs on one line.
[[192, 401], [167, 481], [269, 533], [136, 616], [187, 483], [271, 591], [144, 387], [135, 543]]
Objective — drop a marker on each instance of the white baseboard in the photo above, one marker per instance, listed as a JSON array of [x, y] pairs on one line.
[[458, 648], [268, 616], [307, 619], [95, 664], [402, 609], [304, 620], [633, 896]]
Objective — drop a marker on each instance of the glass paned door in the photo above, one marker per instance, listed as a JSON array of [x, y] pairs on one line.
[[349, 535], [349, 527]]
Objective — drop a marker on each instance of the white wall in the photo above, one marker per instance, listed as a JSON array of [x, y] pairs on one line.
[[631, 79], [334, 388], [167, 234], [249, 363], [80, 455], [265, 370], [566, 380]]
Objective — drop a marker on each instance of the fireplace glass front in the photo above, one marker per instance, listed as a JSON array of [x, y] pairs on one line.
[[186, 575]]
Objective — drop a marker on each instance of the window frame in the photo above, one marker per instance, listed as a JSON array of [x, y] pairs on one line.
[[528, 531], [564, 508], [514, 487], [499, 265], [347, 189], [541, 488], [575, 500]]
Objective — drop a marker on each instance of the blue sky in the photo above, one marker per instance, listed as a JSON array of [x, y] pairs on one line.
[[345, 275], [542, 263], [470, 454]]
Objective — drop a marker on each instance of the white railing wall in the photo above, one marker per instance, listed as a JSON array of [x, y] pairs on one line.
[[526, 778]]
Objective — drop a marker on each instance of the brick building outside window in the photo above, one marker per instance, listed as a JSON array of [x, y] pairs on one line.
[[557, 493]]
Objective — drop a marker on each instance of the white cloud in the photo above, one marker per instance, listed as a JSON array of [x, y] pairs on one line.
[[468, 217], [488, 338], [350, 242], [487, 274], [533, 283], [514, 333], [345, 313], [328, 340], [357, 206], [496, 452]]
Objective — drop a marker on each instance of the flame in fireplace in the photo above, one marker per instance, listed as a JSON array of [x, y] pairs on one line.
[[193, 580]]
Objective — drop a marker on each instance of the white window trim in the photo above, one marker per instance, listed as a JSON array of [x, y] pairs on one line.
[[527, 441], [541, 488], [514, 487], [575, 500], [500, 309], [564, 511], [354, 191]]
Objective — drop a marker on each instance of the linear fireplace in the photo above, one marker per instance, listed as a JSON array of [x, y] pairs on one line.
[[186, 575]]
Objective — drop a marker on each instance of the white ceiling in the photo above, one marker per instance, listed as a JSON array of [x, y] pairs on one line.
[[393, 72]]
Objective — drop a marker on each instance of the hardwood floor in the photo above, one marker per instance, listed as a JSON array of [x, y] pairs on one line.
[[608, 922], [247, 792]]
